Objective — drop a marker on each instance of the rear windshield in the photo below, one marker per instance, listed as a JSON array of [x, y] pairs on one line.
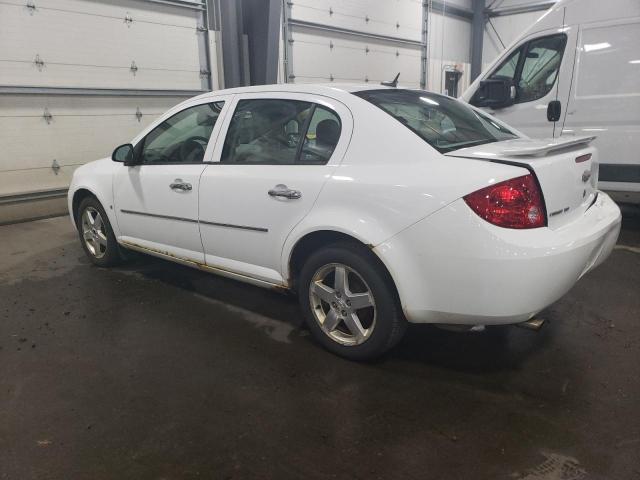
[[443, 122]]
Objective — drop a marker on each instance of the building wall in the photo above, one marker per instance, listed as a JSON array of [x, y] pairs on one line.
[[508, 28], [79, 77], [449, 49], [325, 56]]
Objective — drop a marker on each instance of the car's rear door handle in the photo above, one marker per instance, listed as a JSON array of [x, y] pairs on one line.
[[283, 191], [180, 185]]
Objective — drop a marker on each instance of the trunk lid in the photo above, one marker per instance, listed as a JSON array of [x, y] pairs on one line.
[[566, 169]]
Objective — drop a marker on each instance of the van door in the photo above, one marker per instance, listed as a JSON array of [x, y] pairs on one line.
[[540, 69], [605, 101]]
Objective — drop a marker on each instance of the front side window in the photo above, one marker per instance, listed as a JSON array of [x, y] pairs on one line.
[[182, 138], [532, 69], [443, 122], [540, 67], [509, 67], [280, 132]]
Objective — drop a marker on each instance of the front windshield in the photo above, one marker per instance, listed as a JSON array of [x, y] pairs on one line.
[[443, 122]]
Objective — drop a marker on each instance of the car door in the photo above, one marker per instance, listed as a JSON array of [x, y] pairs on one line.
[[541, 69], [156, 200], [277, 152]]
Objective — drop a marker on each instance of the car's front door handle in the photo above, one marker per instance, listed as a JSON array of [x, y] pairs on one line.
[[180, 185], [283, 191]]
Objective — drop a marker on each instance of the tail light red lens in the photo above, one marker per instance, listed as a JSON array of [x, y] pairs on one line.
[[515, 203]]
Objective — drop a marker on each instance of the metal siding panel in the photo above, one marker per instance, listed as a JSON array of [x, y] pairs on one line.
[[348, 60], [166, 54], [398, 18], [93, 126]]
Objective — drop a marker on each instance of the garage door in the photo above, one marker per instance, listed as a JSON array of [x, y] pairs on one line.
[[78, 77], [354, 41]]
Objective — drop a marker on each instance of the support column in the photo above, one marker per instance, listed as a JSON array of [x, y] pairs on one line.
[[477, 37], [231, 33]]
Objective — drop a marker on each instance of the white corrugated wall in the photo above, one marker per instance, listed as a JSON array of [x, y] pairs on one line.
[[79, 77], [328, 56]]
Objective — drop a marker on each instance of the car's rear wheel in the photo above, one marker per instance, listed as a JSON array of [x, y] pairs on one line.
[[349, 302], [96, 234]]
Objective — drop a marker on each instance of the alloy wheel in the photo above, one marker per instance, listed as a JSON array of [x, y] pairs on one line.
[[342, 304], [93, 232]]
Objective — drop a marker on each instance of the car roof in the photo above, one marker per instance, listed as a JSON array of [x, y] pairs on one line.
[[317, 88]]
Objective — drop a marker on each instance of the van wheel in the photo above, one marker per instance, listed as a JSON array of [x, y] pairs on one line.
[[96, 234], [349, 302]]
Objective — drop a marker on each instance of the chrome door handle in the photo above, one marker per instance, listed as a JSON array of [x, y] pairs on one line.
[[283, 191], [178, 184]]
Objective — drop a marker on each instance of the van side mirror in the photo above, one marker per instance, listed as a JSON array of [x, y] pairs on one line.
[[495, 93], [124, 154]]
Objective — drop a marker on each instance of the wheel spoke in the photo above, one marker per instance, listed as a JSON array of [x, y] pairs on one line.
[[323, 291], [97, 224], [340, 279], [88, 218], [101, 239], [331, 321], [360, 300], [355, 327], [86, 234]]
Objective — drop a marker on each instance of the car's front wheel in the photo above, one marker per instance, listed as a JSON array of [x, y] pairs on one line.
[[96, 234], [349, 302]]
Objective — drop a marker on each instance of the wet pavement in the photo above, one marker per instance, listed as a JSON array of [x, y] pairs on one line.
[[158, 371]]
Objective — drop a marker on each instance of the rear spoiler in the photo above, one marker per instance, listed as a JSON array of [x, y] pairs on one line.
[[553, 145]]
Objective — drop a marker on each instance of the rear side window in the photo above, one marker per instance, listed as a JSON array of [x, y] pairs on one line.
[[322, 136], [280, 132], [444, 123]]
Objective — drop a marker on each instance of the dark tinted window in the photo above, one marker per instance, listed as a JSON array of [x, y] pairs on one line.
[[443, 122], [183, 137]]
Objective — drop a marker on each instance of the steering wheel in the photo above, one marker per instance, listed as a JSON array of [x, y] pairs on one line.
[[192, 150]]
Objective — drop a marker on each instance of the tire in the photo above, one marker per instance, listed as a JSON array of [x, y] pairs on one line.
[[369, 294], [97, 239]]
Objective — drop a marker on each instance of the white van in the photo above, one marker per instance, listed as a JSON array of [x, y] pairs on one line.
[[576, 71]]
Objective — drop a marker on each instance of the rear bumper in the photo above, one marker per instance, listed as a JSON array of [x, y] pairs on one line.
[[453, 267]]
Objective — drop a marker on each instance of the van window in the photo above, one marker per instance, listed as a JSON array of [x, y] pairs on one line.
[[540, 68], [508, 68], [533, 67]]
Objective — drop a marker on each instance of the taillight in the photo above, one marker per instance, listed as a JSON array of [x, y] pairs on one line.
[[515, 203]]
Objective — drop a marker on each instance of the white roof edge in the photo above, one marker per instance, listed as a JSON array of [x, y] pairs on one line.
[[298, 87]]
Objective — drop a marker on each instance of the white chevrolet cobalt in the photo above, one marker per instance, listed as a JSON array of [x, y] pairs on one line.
[[377, 205]]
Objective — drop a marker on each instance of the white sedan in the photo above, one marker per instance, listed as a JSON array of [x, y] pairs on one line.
[[377, 205]]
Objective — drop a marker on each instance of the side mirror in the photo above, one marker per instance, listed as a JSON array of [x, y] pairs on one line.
[[124, 154], [495, 93]]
